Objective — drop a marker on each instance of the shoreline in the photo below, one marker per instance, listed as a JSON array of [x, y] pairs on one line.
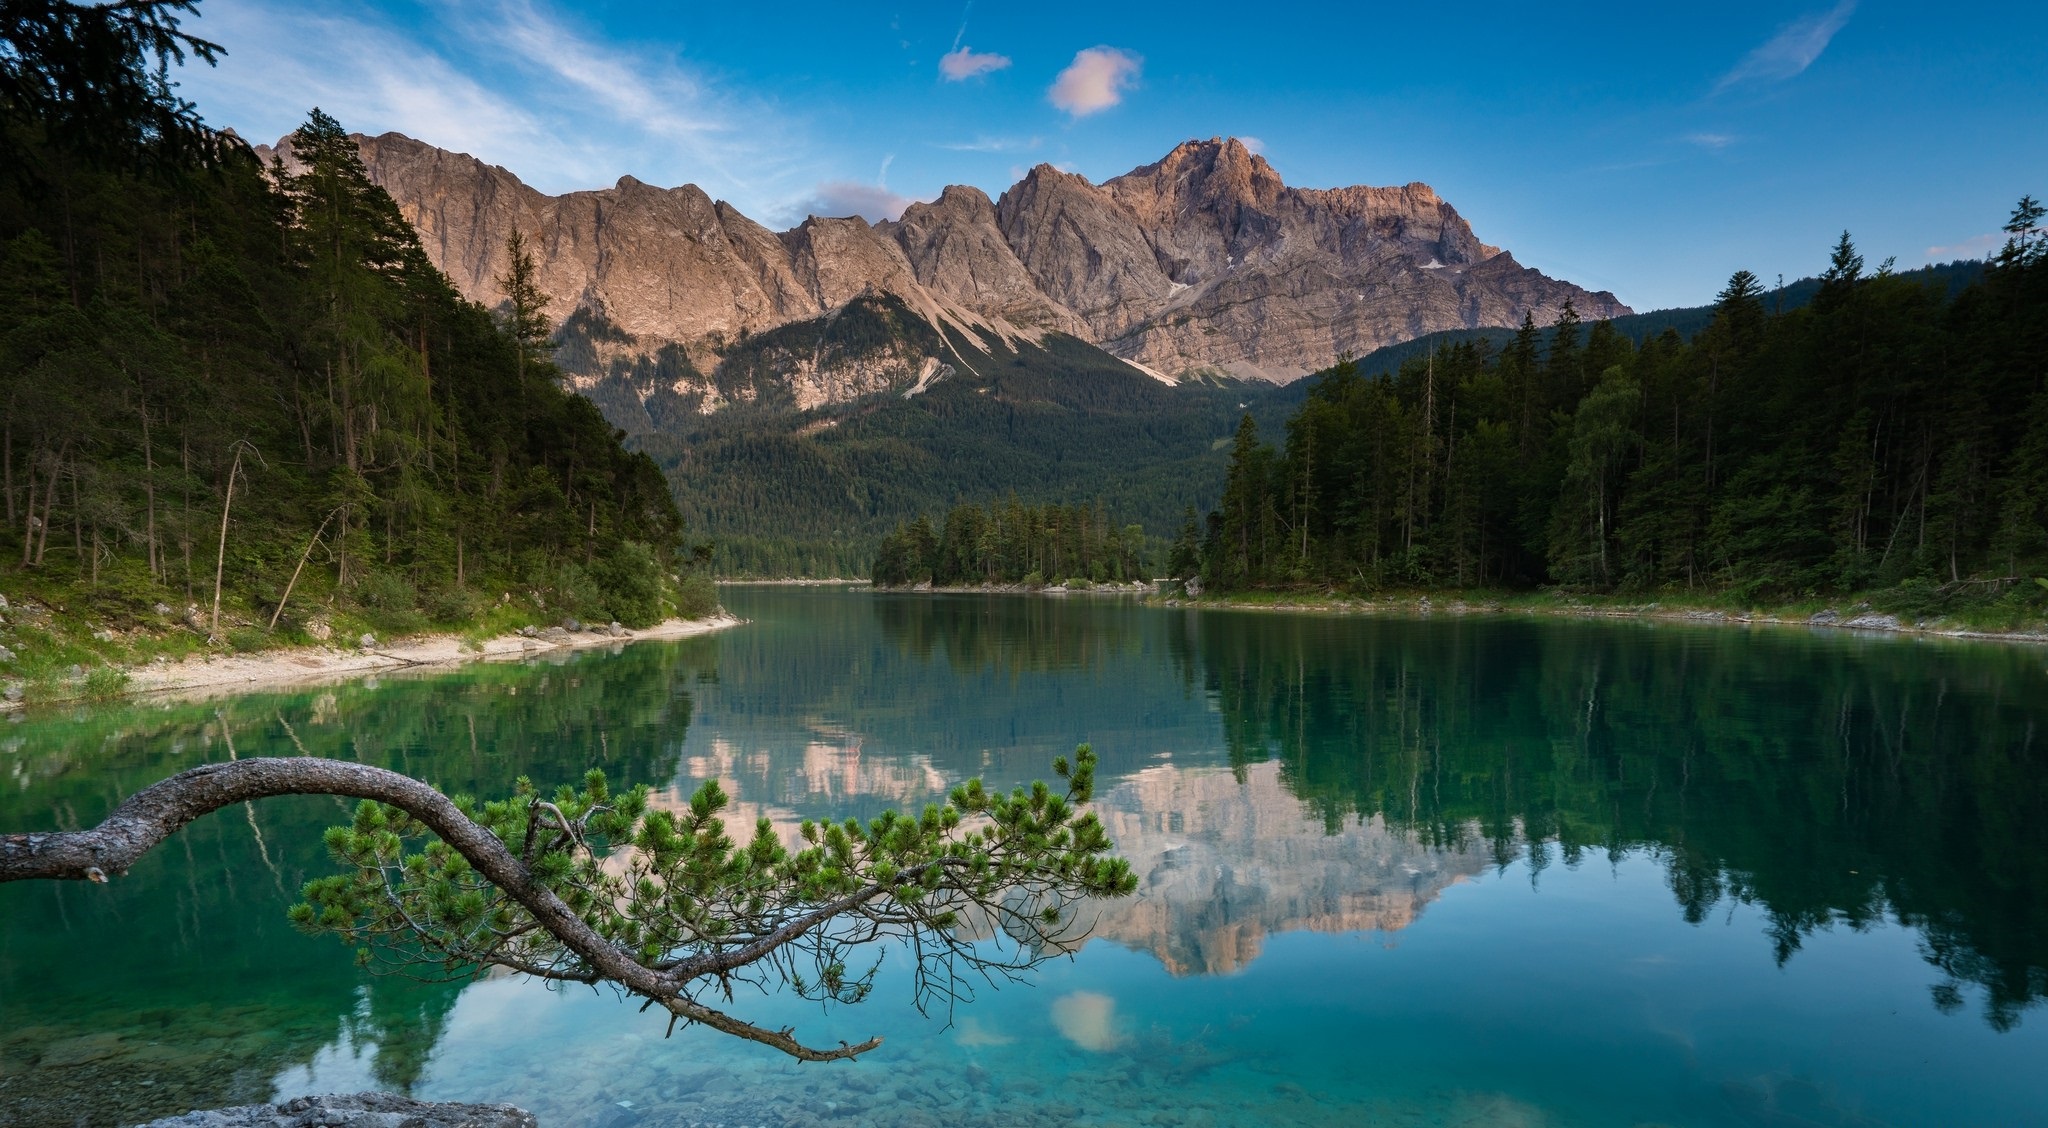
[[1856, 621], [834, 581], [1135, 587], [199, 677]]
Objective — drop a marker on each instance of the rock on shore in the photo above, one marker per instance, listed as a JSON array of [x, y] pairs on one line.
[[362, 1110]]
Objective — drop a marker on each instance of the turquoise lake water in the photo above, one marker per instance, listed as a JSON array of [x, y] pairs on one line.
[[1481, 871]]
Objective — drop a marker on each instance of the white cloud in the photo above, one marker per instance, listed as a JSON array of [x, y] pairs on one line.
[[369, 77], [1253, 144], [1788, 53], [963, 63], [1975, 247], [990, 145], [835, 198], [513, 82], [1095, 80], [1713, 141]]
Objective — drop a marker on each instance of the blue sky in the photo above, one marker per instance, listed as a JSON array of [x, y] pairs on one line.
[[1649, 149]]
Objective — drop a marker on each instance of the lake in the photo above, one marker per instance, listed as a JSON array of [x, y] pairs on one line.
[[1452, 871]]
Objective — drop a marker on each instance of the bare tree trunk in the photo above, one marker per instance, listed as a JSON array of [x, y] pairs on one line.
[[77, 520], [7, 460], [294, 581], [149, 494], [185, 488], [49, 505], [28, 524], [220, 559]]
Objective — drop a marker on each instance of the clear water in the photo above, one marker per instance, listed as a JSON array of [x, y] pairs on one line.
[[1451, 871]]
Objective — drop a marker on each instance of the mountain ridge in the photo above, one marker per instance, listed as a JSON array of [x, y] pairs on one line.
[[1203, 262]]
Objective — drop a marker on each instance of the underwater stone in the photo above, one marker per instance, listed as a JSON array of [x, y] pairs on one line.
[[363, 1110]]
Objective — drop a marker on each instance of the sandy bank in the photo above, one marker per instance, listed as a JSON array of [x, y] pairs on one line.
[[1853, 622], [216, 675]]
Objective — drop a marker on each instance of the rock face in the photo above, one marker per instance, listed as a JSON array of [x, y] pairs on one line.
[[363, 1110], [1224, 863], [1202, 262]]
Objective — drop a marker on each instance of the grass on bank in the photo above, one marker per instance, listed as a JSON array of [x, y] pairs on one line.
[[2012, 608], [62, 640]]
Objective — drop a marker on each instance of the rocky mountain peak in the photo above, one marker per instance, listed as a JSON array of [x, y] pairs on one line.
[[1202, 261], [1212, 174]]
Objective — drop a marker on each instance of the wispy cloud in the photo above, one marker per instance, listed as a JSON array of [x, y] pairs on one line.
[[991, 145], [368, 76], [872, 202], [556, 105], [1975, 247], [1256, 146], [963, 63], [1788, 53], [1095, 80], [1711, 141]]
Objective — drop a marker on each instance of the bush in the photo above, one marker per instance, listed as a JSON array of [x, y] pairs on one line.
[[388, 592], [696, 597], [631, 578], [104, 683], [578, 592], [247, 640], [452, 605]]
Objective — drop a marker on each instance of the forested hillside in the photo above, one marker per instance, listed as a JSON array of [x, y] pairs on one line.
[[216, 376], [1886, 435], [783, 492], [1640, 328]]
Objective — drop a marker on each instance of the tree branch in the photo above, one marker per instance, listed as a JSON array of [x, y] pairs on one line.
[[161, 810]]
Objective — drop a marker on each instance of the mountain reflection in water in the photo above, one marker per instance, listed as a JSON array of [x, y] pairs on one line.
[[1268, 775], [1226, 859]]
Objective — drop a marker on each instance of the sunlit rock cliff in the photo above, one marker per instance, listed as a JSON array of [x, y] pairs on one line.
[[1202, 262]]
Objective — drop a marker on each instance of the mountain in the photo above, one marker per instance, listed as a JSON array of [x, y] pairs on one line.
[[1203, 262], [805, 390]]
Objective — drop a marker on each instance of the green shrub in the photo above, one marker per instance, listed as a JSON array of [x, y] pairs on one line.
[[631, 578], [452, 605], [247, 640], [104, 683], [388, 592], [696, 597], [577, 592]]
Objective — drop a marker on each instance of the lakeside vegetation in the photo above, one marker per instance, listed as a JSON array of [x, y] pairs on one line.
[[1885, 439], [241, 407], [1012, 543]]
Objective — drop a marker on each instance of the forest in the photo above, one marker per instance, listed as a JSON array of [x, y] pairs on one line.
[[241, 398], [1890, 434], [1012, 543], [782, 492]]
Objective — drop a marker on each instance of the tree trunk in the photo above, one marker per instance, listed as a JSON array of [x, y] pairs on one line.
[[220, 559], [28, 523], [49, 505], [156, 812], [294, 581], [149, 495], [77, 521]]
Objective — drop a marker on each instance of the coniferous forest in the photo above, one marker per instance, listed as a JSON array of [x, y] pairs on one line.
[[1012, 543], [215, 374], [1884, 436]]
